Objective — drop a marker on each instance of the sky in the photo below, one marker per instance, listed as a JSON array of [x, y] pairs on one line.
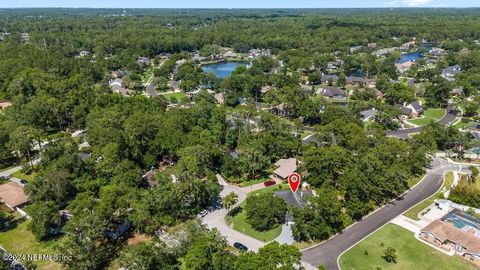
[[238, 3]]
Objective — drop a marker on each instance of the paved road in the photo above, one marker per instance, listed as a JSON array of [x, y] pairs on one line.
[[328, 252], [449, 118]]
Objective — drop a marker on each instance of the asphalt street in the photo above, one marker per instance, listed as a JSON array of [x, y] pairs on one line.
[[405, 133], [328, 252]]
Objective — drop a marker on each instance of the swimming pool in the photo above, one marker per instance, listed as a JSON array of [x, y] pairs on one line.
[[460, 221]]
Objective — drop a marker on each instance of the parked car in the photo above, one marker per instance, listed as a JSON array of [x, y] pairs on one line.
[[269, 183], [202, 214], [240, 246]]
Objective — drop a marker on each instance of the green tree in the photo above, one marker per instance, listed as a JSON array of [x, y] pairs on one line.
[[230, 200], [389, 255], [264, 211], [45, 218]]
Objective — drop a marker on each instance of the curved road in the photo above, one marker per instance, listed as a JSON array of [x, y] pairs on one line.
[[328, 252], [449, 118]]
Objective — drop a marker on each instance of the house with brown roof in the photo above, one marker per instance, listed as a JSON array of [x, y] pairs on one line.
[[446, 236], [13, 195], [285, 167]]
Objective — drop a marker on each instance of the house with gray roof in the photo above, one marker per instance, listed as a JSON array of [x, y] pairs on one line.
[[368, 115], [331, 92], [326, 77], [356, 80], [450, 72], [413, 109]]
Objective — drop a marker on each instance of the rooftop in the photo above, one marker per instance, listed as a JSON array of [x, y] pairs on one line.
[[13, 194]]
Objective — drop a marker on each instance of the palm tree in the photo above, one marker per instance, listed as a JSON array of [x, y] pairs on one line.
[[230, 200]]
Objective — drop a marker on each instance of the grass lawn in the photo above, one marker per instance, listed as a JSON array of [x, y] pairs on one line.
[[178, 96], [240, 223], [19, 240], [411, 253], [27, 177], [462, 124], [305, 133], [413, 212], [146, 75], [414, 180], [428, 116]]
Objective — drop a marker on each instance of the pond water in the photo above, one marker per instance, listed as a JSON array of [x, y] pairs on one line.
[[222, 69], [410, 57], [413, 56]]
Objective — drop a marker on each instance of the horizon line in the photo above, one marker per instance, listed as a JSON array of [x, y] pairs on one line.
[[253, 8]]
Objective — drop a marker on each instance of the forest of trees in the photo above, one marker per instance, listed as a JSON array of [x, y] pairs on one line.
[[354, 168]]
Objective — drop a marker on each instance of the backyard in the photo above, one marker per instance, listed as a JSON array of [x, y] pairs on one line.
[[24, 176], [411, 253], [430, 115], [239, 220], [19, 240], [179, 96]]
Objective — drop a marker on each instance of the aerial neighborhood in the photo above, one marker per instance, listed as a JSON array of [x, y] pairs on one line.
[[240, 139]]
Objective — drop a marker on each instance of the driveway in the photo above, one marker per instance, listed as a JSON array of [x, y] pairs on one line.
[[449, 118], [329, 251], [216, 219]]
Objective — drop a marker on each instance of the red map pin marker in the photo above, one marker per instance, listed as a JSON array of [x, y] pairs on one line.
[[294, 181]]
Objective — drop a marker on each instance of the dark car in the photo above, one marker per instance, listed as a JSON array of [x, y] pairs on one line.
[[240, 246], [269, 183]]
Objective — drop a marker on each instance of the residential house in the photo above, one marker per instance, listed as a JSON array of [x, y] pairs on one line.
[[412, 110], [355, 48], [450, 72], [119, 227], [446, 236], [220, 98], [437, 52], [458, 91], [118, 87], [24, 37], [334, 65], [149, 178], [115, 82], [118, 74], [256, 53], [297, 199], [327, 78], [285, 167], [230, 55], [13, 195], [356, 80], [384, 52], [279, 110], [84, 53], [331, 92], [368, 115], [307, 89], [372, 45], [164, 55], [5, 104], [407, 46], [143, 61], [404, 67], [265, 89]]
